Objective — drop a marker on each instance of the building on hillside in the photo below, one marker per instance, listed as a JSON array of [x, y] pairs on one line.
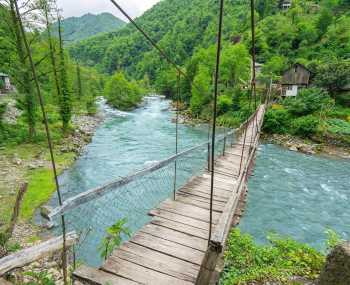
[[286, 4], [5, 83], [294, 79]]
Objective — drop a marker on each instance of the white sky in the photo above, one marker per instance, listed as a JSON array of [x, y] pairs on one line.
[[78, 8]]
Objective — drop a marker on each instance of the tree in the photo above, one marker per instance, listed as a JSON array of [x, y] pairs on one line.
[[24, 74], [324, 21], [121, 93], [201, 91], [79, 83], [333, 75], [46, 8], [65, 99]]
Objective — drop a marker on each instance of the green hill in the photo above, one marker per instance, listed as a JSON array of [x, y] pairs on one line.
[[308, 31], [88, 25]]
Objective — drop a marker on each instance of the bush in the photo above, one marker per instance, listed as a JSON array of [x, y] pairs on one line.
[[224, 104], [337, 126], [247, 262], [343, 99], [277, 121], [305, 126], [308, 101]]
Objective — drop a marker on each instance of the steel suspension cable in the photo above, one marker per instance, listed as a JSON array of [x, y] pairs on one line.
[[253, 85], [48, 135], [216, 90]]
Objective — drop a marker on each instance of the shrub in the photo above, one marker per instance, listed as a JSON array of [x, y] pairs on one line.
[[343, 99], [308, 101], [305, 126], [247, 262], [338, 126], [224, 104], [277, 121]]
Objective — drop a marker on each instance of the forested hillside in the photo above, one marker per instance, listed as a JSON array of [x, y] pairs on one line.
[[79, 28], [313, 33]]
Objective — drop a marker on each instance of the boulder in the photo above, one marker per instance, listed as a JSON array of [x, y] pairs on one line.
[[337, 268]]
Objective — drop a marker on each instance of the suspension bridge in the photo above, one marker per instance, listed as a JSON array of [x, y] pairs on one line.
[[187, 233]]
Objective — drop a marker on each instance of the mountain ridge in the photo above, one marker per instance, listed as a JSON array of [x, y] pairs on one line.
[[77, 28]]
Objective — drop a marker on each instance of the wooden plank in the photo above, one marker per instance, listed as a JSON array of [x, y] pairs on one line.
[[204, 204], [89, 275], [219, 195], [34, 253], [157, 261], [183, 228], [139, 273], [179, 218], [198, 198], [206, 185], [184, 239], [186, 191], [168, 247], [230, 182], [186, 210]]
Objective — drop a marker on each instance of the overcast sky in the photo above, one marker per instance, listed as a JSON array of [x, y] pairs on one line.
[[80, 7]]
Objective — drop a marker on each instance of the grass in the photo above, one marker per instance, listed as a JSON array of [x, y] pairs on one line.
[[41, 183], [40, 188]]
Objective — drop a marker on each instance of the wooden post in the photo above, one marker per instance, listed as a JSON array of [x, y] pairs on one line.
[[17, 207]]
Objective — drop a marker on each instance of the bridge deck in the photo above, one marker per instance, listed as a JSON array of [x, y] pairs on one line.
[[170, 249]]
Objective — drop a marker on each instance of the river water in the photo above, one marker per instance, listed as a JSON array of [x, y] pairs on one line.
[[290, 193]]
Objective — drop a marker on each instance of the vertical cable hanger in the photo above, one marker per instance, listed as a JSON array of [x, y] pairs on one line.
[[177, 128], [48, 135], [216, 91]]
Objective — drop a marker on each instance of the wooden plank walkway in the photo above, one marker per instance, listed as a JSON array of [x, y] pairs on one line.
[[171, 248]]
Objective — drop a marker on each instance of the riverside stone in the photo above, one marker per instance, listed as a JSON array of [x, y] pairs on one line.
[[337, 268]]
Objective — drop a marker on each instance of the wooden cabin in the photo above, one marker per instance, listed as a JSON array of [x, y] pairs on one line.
[[294, 79]]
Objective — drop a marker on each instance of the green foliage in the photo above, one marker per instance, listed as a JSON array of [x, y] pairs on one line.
[[283, 258], [338, 126], [41, 278], [305, 126], [333, 75], [121, 93], [277, 121], [201, 91], [224, 104], [308, 101], [333, 239], [114, 238]]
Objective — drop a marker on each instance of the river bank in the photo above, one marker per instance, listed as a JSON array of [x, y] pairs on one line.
[[307, 146], [30, 163]]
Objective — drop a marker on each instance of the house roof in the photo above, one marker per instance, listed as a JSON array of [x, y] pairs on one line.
[[3, 74], [298, 74]]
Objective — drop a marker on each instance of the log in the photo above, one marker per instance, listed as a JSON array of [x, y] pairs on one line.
[[34, 253]]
